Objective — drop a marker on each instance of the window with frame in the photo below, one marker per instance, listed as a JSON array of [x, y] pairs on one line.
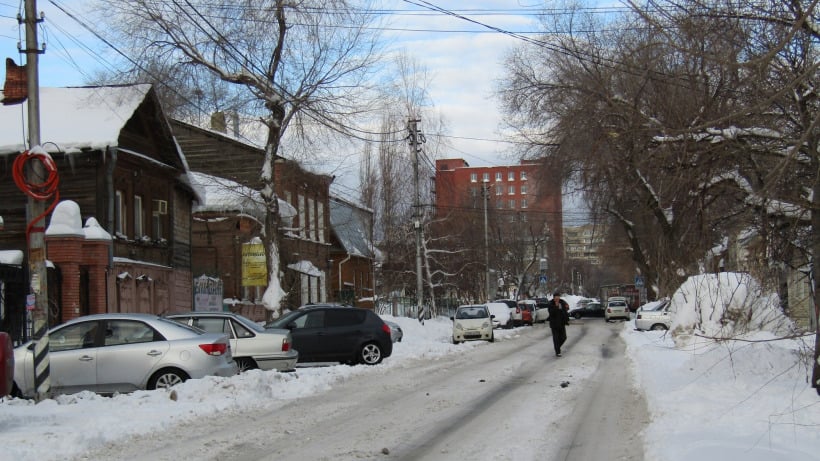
[[512, 204], [485, 177], [473, 177], [474, 192], [499, 190], [498, 176], [499, 204], [523, 175], [320, 221], [511, 190], [523, 189], [139, 217], [119, 213], [523, 203], [312, 232], [159, 212], [511, 176]]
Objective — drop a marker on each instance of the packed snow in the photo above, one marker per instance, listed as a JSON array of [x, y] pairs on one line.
[[742, 398]]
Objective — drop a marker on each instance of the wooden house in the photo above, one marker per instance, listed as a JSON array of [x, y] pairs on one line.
[[352, 276], [117, 159], [219, 230]]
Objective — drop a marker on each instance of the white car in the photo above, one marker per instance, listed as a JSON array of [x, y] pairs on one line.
[[616, 308], [501, 315], [252, 346], [472, 322], [654, 316]]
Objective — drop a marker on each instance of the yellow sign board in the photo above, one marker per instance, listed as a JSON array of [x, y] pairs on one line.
[[254, 269]]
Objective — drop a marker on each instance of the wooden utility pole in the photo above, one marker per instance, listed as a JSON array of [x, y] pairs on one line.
[[38, 287], [415, 143]]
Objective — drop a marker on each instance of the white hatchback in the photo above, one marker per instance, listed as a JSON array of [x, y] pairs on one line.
[[472, 322]]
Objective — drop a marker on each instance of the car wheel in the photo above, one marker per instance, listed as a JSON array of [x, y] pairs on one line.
[[454, 341], [492, 338], [658, 327], [576, 315], [165, 378], [245, 364], [370, 354], [15, 391]]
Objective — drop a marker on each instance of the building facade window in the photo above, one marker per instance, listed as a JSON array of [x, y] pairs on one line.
[[312, 232], [119, 213], [512, 204], [320, 221], [473, 177], [523, 175], [499, 190], [523, 189], [511, 190], [511, 176], [159, 213], [139, 217], [302, 217], [523, 203], [485, 177], [498, 176]]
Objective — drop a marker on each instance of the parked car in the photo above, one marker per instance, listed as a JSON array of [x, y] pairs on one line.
[[251, 345], [654, 316], [396, 333], [6, 364], [616, 308], [590, 309], [108, 353], [472, 322], [541, 313], [526, 307], [332, 333], [501, 315], [515, 313]]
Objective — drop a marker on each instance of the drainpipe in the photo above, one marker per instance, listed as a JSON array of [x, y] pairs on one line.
[[341, 263], [109, 185]]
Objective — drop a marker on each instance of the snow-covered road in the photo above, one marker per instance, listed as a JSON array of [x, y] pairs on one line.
[[501, 401]]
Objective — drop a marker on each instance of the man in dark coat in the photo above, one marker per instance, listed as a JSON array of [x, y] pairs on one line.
[[559, 319]]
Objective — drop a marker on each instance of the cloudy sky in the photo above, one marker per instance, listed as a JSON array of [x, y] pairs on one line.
[[463, 58]]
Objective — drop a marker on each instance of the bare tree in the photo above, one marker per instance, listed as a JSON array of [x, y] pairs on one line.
[[303, 65]]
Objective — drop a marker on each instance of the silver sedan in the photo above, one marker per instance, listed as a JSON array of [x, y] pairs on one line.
[[252, 346], [108, 353]]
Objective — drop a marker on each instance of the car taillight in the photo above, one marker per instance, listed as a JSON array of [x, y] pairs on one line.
[[385, 328], [214, 348], [285, 345]]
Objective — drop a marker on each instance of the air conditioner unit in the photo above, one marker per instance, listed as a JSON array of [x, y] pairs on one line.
[[161, 206]]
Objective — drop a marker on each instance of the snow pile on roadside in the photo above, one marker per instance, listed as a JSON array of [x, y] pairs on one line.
[[725, 305]]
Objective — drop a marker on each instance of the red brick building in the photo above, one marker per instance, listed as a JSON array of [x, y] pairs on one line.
[[523, 205]]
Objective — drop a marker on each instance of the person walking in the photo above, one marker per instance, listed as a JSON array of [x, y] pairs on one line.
[[559, 319]]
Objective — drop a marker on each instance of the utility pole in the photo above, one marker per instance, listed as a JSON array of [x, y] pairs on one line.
[[416, 139], [485, 192], [34, 209]]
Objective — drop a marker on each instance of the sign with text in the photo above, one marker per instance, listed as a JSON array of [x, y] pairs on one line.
[[254, 269]]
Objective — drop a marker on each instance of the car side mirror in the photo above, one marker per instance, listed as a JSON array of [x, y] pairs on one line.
[[492, 316]]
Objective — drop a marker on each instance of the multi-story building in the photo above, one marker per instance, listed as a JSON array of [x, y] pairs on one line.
[[523, 211], [581, 243]]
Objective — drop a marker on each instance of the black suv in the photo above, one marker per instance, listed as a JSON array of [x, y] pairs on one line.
[[333, 333]]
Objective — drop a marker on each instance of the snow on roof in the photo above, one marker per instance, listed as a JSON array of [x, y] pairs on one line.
[[73, 118], [306, 267], [350, 224], [14, 257], [226, 196]]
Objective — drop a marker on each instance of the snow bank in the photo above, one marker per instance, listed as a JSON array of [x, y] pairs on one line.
[[725, 305]]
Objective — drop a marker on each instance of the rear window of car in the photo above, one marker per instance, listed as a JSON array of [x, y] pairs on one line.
[[342, 317], [617, 304]]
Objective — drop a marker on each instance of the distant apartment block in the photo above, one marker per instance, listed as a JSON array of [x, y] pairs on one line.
[[581, 243]]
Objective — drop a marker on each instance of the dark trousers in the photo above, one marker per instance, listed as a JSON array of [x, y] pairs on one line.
[[559, 337]]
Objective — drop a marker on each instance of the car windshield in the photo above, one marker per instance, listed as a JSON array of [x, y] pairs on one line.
[[471, 313]]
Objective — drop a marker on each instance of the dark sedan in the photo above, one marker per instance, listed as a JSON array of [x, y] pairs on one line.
[[592, 309], [326, 333]]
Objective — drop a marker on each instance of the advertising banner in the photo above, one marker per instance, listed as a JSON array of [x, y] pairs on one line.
[[254, 269]]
